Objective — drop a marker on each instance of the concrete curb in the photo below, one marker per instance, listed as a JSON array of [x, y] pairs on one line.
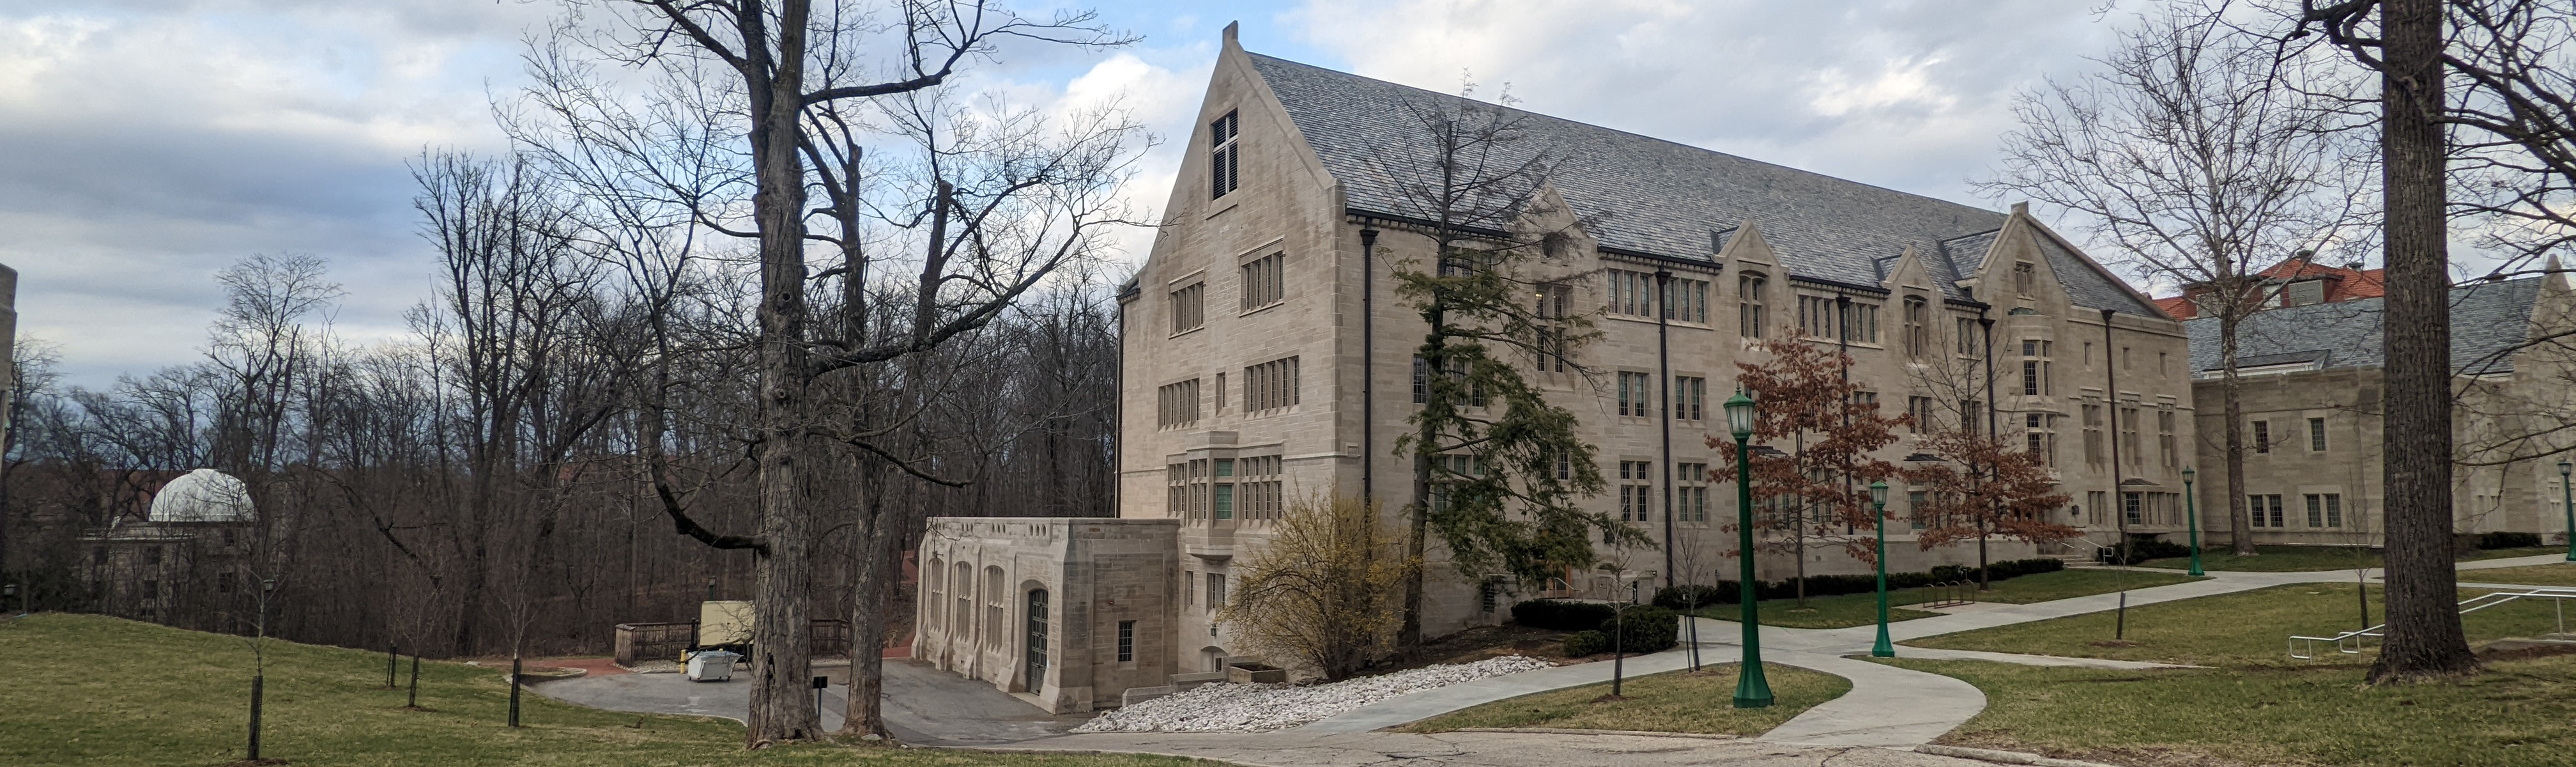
[[2003, 757]]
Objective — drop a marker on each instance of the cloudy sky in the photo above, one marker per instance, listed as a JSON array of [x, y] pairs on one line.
[[149, 143]]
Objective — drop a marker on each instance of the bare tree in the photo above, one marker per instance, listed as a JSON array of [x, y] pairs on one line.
[[990, 214], [2197, 156]]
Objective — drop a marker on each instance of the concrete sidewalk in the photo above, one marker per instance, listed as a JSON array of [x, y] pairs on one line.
[[1301, 748]]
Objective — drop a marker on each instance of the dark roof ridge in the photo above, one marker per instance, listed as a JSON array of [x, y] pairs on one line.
[[1973, 234], [1656, 139]]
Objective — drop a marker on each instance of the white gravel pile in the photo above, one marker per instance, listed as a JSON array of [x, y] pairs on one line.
[[1222, 707]]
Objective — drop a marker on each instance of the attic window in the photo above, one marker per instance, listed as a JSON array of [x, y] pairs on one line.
[[2025, 277], [2305, 292], [1222, 151]]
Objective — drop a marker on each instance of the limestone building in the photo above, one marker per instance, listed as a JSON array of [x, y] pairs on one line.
[[2310, 387], [1266, 357]]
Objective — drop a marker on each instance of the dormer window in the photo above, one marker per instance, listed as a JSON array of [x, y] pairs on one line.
[[2305, 292], [1222, 151]]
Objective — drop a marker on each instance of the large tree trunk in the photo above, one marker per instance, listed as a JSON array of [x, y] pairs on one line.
[[2424, 637], [880, 569], [782, 708], [1416, 539], [2240, 521], [1417, 516]]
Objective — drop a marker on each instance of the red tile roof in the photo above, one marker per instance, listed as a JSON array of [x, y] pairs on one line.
[[2343, 283]]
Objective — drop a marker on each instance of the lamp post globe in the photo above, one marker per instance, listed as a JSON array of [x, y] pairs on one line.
[[1752, 690], [2567, 500], [1739, 415], [1878, 503], [2191, 517]]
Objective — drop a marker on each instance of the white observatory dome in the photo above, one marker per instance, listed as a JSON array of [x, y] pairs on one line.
[[204, 495]]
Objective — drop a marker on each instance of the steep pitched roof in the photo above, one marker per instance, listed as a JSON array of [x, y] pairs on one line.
[[1655, 196], [2488, 319]]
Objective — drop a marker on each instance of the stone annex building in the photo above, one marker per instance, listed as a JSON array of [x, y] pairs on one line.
[[2310, 381], [1267, 358]]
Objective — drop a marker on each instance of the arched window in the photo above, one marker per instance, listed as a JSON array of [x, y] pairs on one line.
[[935, 579], [961, 587], [995, 610]]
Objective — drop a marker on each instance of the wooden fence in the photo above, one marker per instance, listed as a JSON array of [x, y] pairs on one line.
[[665, 641]]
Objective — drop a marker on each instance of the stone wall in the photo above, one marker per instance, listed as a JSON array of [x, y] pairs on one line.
[[977, 580]]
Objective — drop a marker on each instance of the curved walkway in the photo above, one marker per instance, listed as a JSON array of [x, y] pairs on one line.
[[1887, 710]]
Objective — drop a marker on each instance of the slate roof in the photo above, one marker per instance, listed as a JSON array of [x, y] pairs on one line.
[[2488, 319], [1669, 199]]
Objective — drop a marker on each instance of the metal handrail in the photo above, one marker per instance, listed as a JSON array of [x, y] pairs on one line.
[[2097, 548], [2351, 642]]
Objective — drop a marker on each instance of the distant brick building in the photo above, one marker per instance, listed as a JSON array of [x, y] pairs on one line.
[[1254, 329], [2296, 281]]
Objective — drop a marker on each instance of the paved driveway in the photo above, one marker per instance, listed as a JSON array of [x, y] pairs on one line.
[[922, 705]]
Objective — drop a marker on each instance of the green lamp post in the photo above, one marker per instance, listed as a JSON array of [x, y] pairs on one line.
[[2191, 519], [1751, 689], [2567, 498], [1878, 500]]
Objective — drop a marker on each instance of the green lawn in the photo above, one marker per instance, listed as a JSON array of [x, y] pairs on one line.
[[1862, 609], [1679, 701], [2286, 559], [2537, 575], [2515, 715], [87, 690], [2246, 629]]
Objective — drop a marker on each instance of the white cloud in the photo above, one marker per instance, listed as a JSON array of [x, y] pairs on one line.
[[153, 144], [1909, 95]]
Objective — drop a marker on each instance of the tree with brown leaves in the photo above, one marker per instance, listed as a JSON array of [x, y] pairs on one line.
[[1816, 489], [1984, 488]]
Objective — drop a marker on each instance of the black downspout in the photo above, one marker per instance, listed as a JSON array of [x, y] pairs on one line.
[[1842, 348], [2111, 413], [2119, 504], [1118, 412], [1664, 377], [1368, 365]]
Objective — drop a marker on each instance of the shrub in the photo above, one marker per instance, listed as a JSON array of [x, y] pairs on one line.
[[1645, 629], [2146, 546], [1584, 643], [1560, 615], [1724, 592], [1684, 596], [2508, 540]]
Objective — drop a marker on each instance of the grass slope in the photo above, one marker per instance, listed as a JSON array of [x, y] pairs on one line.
[[1677, 701], [2249, 628], [1847, 610], [88, 690], [2292, 559], [2515, 715]]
